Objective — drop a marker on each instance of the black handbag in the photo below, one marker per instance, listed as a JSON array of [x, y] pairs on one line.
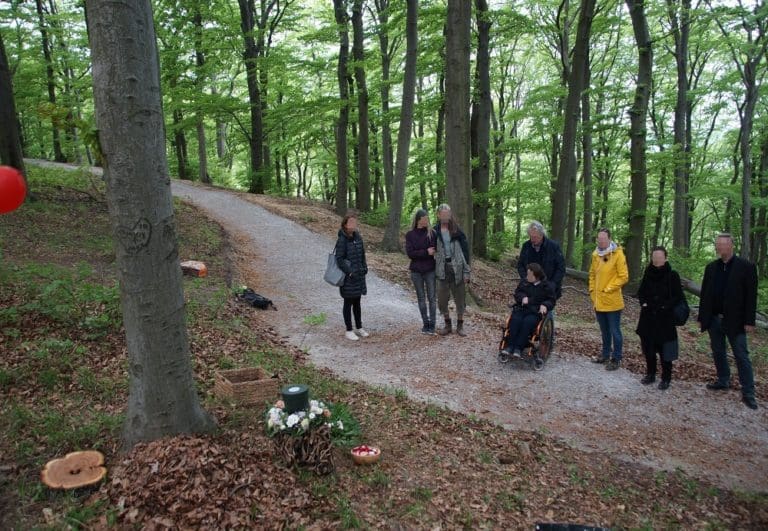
[[681, 311]]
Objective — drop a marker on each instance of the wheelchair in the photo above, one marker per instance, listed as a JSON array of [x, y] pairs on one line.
[[540, 344]]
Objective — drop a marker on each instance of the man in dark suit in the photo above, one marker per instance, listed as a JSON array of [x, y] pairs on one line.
[[727, 309], [541, 250]]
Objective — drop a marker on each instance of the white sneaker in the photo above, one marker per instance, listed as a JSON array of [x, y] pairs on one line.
[[351, 336], [362, 333]]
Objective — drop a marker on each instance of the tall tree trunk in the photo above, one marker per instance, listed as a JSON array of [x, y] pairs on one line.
[[586, 167], [659, 218], [58, 154], [440, 140], [358, 53], [567, 168], [514, 134], [761, 233], [391, 241], [256, 133], [658, 132], [71, 98], [638, 114], [342, 159], [728, 217], [179, 141], [376, 167], [221, 132], [202, 153], [180, 145], [10, 144], [480, 127], [386, 51], [747, 119], [162, 397], [498, 172], [457, 141], [563, 25], [679, 17], [263, 85], [420, 145]]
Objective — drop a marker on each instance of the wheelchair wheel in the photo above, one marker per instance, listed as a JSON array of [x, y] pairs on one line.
[[538, 363], [546, 339]]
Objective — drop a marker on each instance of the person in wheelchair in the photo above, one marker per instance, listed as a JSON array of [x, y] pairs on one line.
[[534, 298]]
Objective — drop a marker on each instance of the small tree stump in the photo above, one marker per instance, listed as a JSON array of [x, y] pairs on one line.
[[75, 470]]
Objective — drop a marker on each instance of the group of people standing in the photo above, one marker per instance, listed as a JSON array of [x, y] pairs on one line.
[[440, 270]]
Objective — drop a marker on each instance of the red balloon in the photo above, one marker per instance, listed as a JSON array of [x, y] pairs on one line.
[[12, 189]]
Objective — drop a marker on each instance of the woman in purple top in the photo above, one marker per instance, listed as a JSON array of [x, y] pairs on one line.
[[420, 247]]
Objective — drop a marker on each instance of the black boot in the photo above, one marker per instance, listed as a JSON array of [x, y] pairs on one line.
[[460, 328], [426, 329], [447, 329]]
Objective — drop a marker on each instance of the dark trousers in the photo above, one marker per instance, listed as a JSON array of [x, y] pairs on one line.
[[352, 304], [425, 292], [651, 349], [521, 326], [740, 353]]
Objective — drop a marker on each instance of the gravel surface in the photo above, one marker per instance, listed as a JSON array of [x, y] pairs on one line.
[[704, 433], [707, 434]]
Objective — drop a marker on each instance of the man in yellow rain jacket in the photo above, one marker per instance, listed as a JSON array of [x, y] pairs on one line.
[[607, 275]]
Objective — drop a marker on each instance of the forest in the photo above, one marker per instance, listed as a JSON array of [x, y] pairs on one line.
[[276, 117], [650, 119]]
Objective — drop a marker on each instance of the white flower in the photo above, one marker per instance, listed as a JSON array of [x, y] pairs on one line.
[[292, 420], [305, 424], [340, 425], [312, 416]]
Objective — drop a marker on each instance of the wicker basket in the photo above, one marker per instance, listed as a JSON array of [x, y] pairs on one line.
[[245, 386]]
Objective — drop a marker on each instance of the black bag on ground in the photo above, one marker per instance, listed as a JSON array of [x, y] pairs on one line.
[[252, 298]]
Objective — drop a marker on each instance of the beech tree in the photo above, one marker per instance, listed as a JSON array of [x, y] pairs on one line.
[[126, 87]]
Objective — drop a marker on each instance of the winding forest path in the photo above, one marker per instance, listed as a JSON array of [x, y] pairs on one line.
[[709, 435], [706, 434]]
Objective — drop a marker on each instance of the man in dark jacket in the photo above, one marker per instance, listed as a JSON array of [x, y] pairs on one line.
[[541, 250], [727, 309]]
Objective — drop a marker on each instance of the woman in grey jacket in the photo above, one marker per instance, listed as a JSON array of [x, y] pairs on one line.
[[451, 269]]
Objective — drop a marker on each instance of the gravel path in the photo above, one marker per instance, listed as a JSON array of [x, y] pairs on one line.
[[704, 433], [711, 435]]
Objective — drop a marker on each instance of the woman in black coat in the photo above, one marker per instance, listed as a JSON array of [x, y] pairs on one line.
[[350, 257], [534, 297], [660, 291]]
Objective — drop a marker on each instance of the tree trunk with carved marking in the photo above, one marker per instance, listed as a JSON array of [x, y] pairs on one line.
[[126, 85]]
